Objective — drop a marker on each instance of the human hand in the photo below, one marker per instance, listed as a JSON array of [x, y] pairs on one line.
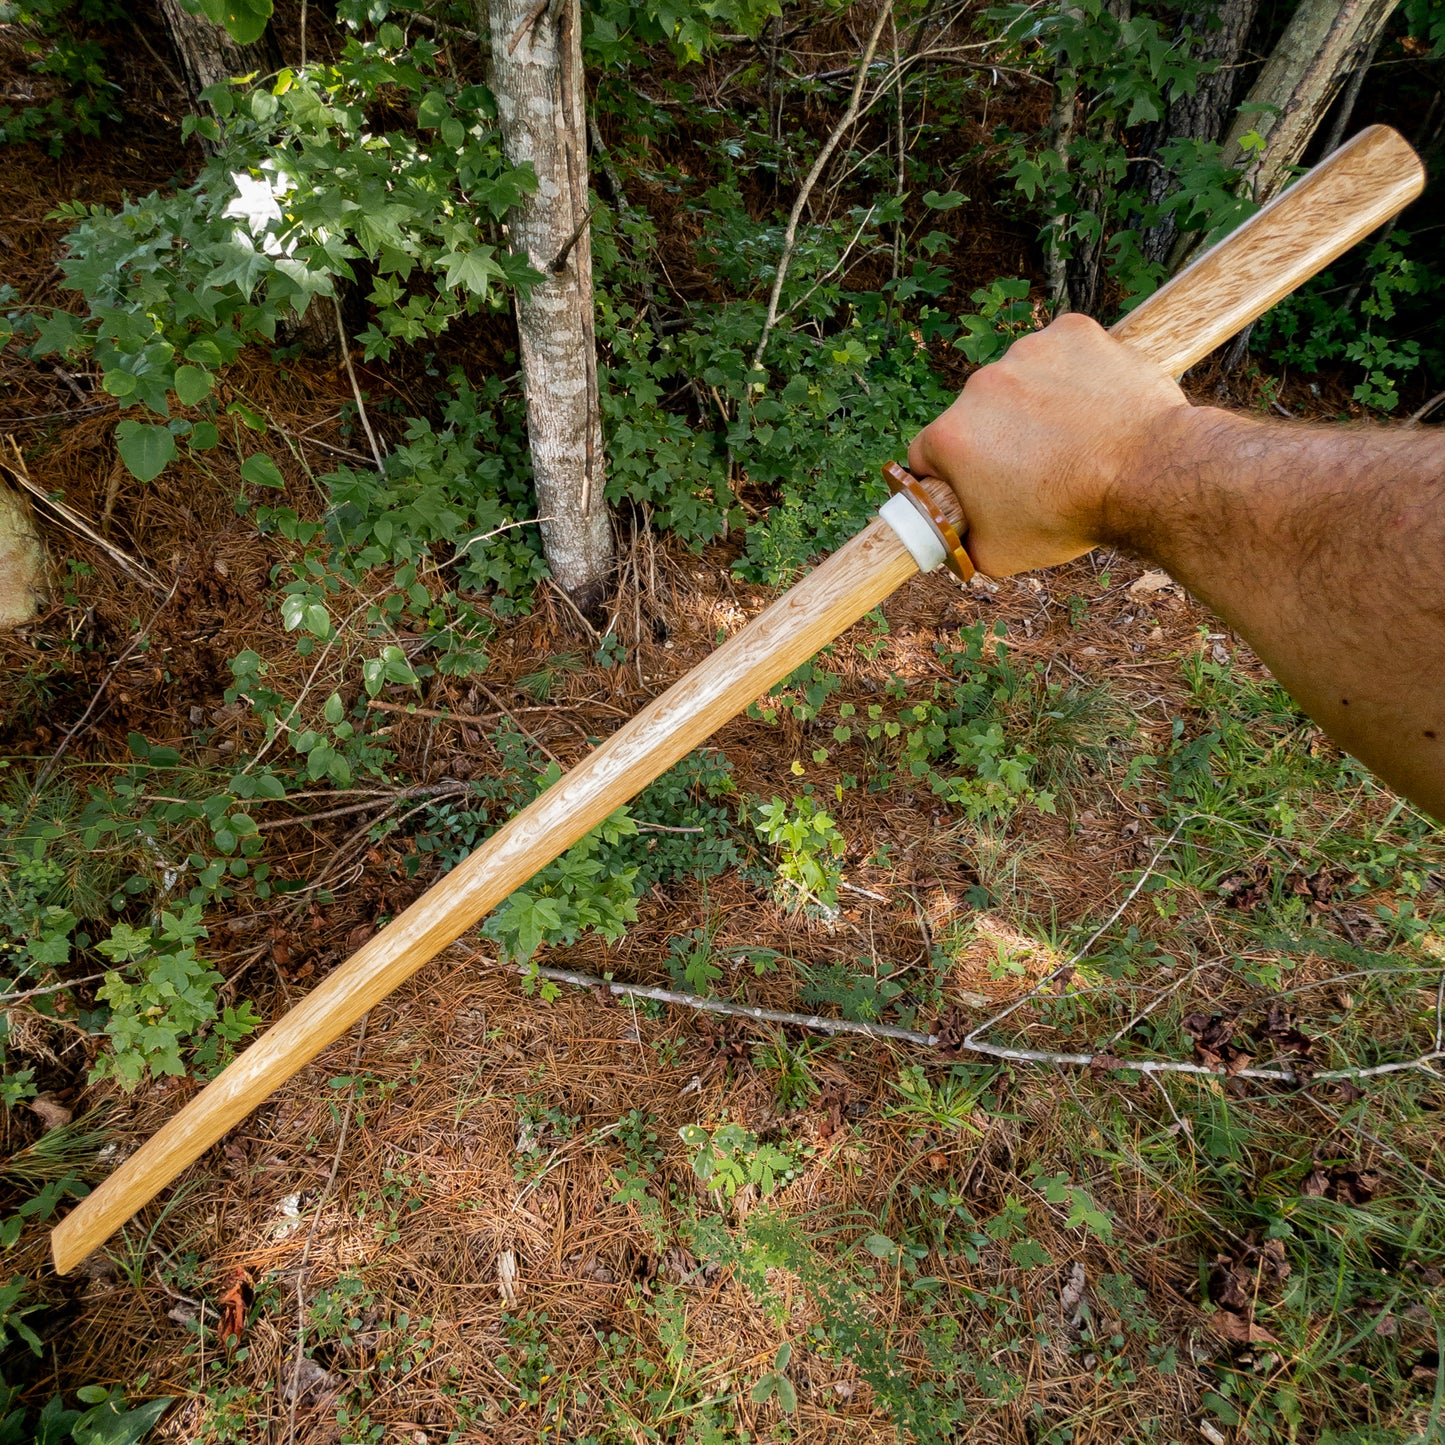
[[1041, 446]]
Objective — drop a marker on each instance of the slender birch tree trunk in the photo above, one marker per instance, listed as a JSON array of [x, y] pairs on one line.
[[1061, 138], [1322, 45], [539, 86]]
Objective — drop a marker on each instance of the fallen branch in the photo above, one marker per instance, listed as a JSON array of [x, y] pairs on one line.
[[407, 709], [437, 790], [9, 998], [739, 1010]]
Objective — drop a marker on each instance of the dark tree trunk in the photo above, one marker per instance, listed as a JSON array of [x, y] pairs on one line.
[[1221, 30], [208, 54], [1084, 269], [1322, 46]]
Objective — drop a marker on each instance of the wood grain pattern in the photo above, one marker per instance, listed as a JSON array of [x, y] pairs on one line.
[[853, 581], [1298, 233], [1307, 227]]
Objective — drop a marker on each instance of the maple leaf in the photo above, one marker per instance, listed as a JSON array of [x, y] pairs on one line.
[[470, 270]]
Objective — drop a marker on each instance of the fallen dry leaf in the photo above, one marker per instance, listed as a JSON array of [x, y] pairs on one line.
[[1071, 1297], [234, 1304], [1238, 1330], [50, 1111], [1150, 582]]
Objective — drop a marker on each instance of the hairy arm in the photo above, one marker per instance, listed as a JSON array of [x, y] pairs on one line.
[[1323, 546]]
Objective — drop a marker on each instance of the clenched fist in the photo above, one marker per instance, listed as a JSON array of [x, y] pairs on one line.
[[1041, 446]]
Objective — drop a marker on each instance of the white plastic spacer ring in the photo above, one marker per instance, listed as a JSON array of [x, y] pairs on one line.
[[914, 531]]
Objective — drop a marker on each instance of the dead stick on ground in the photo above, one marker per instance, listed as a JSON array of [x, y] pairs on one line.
[[536, 742], [386, 804], [997, 1051], [311, 1234], [407, 709], [13, 998]]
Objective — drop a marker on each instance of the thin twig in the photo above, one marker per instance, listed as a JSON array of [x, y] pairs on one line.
[[439, 790], [560, 262], [536, 742], [1092, 939], [739, 1010], [311, 1235], [576, 611], [526, 24], [1416, 417], [406, 709], [790, 233], [9, 998], [355, 386]]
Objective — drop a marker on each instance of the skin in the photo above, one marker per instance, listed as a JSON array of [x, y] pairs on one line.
[[1322, 546]]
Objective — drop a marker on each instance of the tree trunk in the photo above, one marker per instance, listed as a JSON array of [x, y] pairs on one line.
[[22, 559], [208, 54], [538, 83], [1320, 48], [1083, 271], [1061, 137], [1221, 30]]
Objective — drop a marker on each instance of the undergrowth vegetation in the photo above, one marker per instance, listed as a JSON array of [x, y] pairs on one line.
[[1163, 1151]]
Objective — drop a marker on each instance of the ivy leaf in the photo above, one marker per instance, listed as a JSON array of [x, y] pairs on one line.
[[145, 450], [193, 384], [241, 264], [433, 110], [204, 352], [260, 471]]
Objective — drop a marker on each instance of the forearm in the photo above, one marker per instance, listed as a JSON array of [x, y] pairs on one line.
[[1324, 547]]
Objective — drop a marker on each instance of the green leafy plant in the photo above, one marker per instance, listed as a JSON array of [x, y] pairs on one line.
[[57, 36], [776, 1382], [108, 1420], [1129, 68], [729, 1157], [174, 997], [1367, 323], [809, 845], [575, 894]]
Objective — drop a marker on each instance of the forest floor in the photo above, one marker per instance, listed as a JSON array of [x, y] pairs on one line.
[[478, 1215]]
